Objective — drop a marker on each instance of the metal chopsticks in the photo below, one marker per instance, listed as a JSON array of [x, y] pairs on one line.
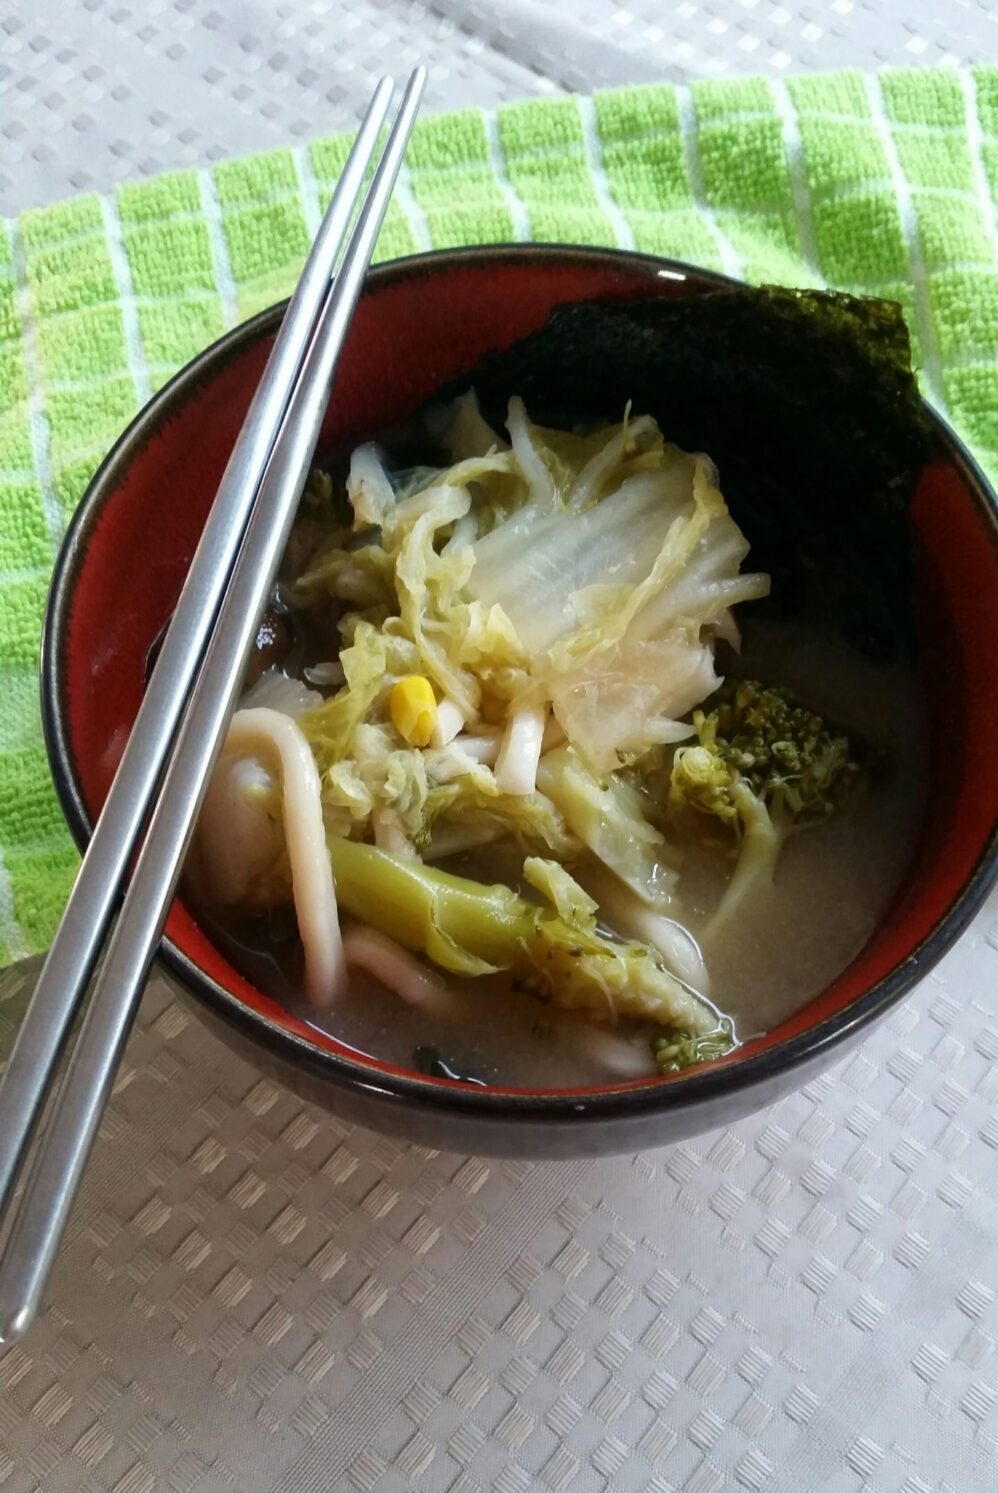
[[77, 942], [213, 627]]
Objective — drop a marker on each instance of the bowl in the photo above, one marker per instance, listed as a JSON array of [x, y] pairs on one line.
[[422, 322]]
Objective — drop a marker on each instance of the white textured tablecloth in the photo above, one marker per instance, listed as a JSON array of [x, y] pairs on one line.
[[94, 91], [255, 1299]]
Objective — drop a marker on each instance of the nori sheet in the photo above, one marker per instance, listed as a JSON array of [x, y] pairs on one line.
[[807, 403]]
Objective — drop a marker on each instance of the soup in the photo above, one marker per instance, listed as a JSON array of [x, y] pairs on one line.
[[521, 793]]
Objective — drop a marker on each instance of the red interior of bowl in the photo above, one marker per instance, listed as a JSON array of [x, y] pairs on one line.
[[414, 330]]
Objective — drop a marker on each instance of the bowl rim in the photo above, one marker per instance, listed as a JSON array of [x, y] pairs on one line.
[[709, 1083]]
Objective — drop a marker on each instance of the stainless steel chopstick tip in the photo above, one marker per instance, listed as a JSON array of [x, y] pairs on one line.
[[54, 1172]]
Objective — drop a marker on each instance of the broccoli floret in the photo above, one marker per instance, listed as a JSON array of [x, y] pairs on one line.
[[766, 766], [786, 753], [682, 1050]]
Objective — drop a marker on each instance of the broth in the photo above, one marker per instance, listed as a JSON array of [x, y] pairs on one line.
[[833, 884]]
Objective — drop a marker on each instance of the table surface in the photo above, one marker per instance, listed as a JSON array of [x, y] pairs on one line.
[[96, 91], [255, 1297]]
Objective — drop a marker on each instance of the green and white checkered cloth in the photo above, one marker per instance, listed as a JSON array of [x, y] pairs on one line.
[[884, 184]]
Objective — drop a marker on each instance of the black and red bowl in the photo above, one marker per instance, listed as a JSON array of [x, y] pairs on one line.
[[422, 322]]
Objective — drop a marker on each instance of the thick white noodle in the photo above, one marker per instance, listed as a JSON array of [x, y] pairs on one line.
[[516, 765], [237, 840], [276, 741], [399, 971], [617, 1056], [628, 915], [679, 949]]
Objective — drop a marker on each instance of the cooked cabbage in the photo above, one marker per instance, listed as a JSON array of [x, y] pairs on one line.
[[561, 594]]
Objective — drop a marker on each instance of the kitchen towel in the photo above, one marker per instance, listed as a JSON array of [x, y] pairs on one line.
[[883, 184]]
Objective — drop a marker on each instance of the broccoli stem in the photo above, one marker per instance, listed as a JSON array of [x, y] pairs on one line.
[[761, 842], [473, 929]]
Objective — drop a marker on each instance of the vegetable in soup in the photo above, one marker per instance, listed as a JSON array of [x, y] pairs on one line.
[[532, 799]]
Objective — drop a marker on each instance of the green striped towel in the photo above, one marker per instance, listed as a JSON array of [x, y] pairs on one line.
[[883, 184]]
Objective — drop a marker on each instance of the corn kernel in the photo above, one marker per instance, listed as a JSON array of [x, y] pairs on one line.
[[414, 709]]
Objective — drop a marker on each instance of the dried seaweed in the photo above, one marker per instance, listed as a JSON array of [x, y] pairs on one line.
[[806, 401]]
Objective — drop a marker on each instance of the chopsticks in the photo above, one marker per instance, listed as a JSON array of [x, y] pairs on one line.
[[195, 683]]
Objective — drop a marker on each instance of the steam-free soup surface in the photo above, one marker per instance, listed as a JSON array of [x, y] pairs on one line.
[[789, 941]]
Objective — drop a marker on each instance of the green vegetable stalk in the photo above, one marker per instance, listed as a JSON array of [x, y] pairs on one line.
[[472, 929]]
